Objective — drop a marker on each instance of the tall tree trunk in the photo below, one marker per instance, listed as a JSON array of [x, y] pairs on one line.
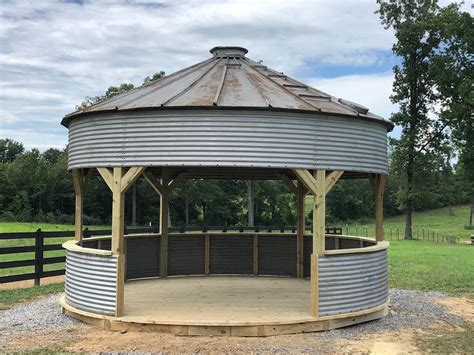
[[250, 203], [134, 204], [409, 198], [412, 134]]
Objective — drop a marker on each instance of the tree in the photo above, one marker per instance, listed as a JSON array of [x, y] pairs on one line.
[[453, 72], [9, 150], [111, 92], [156, 76], [418, 37]]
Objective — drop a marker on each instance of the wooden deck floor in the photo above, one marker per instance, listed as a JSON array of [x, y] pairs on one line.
[[217, 300]]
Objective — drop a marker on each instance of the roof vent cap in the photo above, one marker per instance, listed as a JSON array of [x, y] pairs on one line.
[[220, 52], [359, 108]]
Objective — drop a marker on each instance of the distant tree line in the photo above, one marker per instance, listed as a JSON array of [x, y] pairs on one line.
[[37, 187]]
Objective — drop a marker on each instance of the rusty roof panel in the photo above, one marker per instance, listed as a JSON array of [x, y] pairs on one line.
[[230, 80]]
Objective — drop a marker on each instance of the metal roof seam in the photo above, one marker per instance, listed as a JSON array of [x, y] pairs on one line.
[[192, 84]]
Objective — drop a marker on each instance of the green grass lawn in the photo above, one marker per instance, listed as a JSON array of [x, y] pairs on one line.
[[418, 265], [9, 227], [439, 221]]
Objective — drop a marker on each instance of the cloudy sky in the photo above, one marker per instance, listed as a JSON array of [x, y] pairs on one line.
[[54, 54]]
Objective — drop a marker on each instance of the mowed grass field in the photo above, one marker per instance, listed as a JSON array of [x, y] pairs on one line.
[[442, 222]]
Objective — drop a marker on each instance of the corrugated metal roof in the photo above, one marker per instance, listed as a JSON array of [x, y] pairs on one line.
[[230, 80]]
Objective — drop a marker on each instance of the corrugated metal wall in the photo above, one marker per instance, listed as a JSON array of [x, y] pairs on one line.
[[228, 138], [308, 250], [186, 255], [277, 255], [91, 282], [143, 257], [352, 282], [231, 254]]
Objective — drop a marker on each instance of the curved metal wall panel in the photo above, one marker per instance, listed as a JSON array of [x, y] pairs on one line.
[[91, 282], [228, 138], [352, 282]]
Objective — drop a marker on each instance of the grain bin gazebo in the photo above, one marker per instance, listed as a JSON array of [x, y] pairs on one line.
[[227, 117]]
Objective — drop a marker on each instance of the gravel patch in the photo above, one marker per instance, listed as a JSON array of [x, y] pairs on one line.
[[408, 309], [40, 317]]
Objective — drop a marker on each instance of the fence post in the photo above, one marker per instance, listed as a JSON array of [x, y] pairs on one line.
[[398, 233], [38, 256]]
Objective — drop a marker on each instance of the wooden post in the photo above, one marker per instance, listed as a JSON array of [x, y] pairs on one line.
[[39, 246], [118, 211], [379, 190], [207, 251], [319, 229], [319, 213], [119, 183], [255, 254], [78, 181], [164, 211], [300, 229]]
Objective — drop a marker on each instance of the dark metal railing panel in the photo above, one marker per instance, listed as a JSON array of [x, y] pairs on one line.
[[143, 257], [186, 255], [230, 254], [277, 255]]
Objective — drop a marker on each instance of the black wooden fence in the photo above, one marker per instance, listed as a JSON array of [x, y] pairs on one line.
[[38, 261], [38, 246]]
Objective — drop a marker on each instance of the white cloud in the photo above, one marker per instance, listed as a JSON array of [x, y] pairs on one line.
[[54, 54], [372, 91]]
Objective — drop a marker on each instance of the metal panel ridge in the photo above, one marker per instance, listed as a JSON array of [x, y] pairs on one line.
[[90, 282], [352, 282], [228, 138]]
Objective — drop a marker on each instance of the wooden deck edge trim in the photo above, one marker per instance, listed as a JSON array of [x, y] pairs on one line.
[[242, 330]]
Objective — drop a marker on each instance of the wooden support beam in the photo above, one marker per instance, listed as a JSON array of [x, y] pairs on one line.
[[164, 211], [319, 213], [255, 254], [118, 209], [319, 235], [314, 285], [331, 179], [300, 229], [154, 182], [107, 176], [176, 181], [307, 179], [130, 177], [207, 250], [378, 185], [289, 183], [78, 181]]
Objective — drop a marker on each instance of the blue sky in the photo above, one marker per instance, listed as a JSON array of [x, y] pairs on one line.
[[54, 54]]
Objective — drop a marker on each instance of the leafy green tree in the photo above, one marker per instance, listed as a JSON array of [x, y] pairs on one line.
[[418, 39], [9, 150], [453, 72], [156, 76]]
